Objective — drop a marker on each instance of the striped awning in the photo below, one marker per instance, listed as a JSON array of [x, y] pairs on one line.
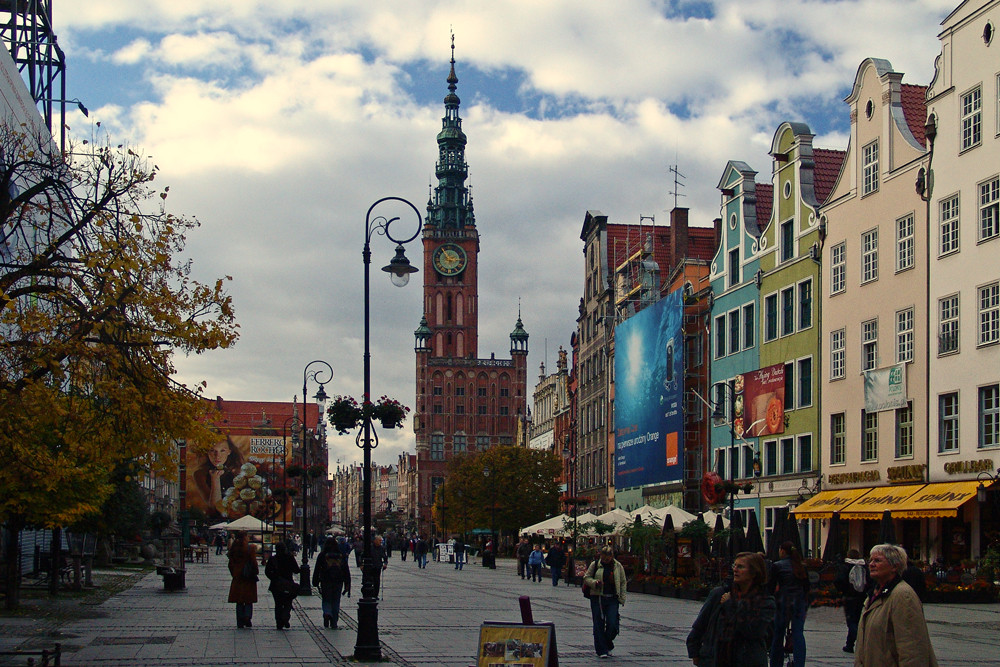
[[937, 500], [872, 504], [825, 503]]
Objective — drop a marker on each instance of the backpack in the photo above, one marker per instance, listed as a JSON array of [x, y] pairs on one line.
[[858, 578]]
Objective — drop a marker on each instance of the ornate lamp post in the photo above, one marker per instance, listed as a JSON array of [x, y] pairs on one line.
[[367, 647], [304, 586]]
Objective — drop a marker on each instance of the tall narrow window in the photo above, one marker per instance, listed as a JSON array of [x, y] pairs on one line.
[[904, 243], [734, 267], [838, 438], [805, 304], [787, 456], [972, 118], [805, 378], [904, 335], [989, 209], [948, 327], [869, 345], [989, 313], [869, 256], [869, 168], [787, 311], [838, 347], [734, 331], [787, 241], [789, 386], [869, 440], [949, 225], [437, 447], [749, 326], [805, 453], [770, 317], [771, 457], [838, 268], [904, 432], [989, 416], [948, 422], [720, 336]]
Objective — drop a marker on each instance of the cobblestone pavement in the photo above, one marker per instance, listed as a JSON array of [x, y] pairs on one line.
[[427, 618]]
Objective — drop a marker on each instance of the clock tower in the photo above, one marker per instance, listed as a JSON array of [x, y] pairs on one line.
[[464, 404]]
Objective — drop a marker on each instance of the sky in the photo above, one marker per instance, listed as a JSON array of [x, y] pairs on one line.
[[278, 124]]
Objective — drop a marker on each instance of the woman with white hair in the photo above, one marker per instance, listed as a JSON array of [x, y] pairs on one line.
[[892, 629]]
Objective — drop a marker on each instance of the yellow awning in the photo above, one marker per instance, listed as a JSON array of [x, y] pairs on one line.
[[825, 503], [879, 499], [936, 500]]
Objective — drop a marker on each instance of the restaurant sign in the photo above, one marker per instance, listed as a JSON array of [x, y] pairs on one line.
[[910, 473], [964, 467]]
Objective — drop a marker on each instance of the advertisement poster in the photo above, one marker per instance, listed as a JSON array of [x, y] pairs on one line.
[[240, 475], [760, 402], [514, 644], [885, 389], [649, 382]]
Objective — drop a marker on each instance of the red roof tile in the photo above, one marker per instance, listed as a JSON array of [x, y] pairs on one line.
[[827, 169], [241, 417], [914, 101], [765, 196]]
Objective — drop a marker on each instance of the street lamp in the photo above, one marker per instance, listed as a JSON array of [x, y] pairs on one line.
[[304, 586], [367, 647]]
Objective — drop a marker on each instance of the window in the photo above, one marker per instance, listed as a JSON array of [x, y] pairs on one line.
[[972, 118], [734, 267], [805, 453], [804, 381], [748, 326], [437, 409], [787, 241], [481, 392], [506, 441], [460, 408], [949, 225], [838, 438], [869, 439], [720, 336], [480, 409], [805, 304], [459, 445], [436, 391], [504, 410], [904, 432], [838, 346], [838, 268], [948, 331], [904, 335], [747, 461], [989, 313], [787, 456], [869, 256], [770, 317], [504, 392], [789, 386], [482, 442], [437, 447], [948, 422], [869, 345], [869, 168], [734, 463], [734, 331], [989, 416], [460, 391], [989, 209], [904, 243], [771, 457], [787, 311]]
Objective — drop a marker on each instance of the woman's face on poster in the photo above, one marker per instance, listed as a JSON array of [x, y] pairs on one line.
[[218, 454]]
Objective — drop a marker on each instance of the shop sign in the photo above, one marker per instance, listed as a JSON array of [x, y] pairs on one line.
[[910, 473], [963, 467], [855, 477], [885, 389]]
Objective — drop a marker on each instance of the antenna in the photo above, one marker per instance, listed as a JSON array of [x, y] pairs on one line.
[[677, 184]]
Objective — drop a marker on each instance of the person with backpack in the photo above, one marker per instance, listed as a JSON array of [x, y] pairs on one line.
[[853, 582], [333, 577]]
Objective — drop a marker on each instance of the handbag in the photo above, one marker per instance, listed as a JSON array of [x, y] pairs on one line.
[[285, 587], [250, 571]]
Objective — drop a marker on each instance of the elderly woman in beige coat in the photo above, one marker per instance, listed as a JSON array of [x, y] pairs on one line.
[[892, 630]]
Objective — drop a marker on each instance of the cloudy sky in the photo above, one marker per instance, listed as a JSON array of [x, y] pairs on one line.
[[277, 124]]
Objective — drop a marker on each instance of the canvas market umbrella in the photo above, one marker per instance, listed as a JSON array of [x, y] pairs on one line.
[[754, 541], [551, 526], [250, 524], [718, 543], [777, 535], [737, 540], [831, 550], [887, 531]]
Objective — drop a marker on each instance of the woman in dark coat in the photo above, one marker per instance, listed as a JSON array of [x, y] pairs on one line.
[[243, 591], [735, 624], [790, 586], [281, 570], [333, 577]]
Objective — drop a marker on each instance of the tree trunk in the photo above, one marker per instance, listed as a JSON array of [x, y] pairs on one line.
[[12, 560], [55, 549]]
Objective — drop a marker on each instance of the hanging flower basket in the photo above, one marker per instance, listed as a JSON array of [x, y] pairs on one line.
[[294, 470], [345, 414], [390, 412]]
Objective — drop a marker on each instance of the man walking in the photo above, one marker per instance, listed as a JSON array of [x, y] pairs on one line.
[[459, 554], [523, 551], [555, 559], [420, 552], [853, 582]]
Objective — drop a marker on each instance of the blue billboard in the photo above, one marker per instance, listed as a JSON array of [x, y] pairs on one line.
[[649, 383]]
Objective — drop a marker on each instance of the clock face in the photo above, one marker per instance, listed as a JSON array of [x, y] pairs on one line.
[[449, 259]]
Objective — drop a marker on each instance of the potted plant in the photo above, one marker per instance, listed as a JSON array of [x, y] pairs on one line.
[[294, 470], [344, 413], [389, 412]]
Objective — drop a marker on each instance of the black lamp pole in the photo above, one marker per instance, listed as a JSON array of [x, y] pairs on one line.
[[305, 588], [368, 647]]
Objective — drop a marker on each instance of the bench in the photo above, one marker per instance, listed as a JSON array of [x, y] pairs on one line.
[[173, 577], [48, 656]]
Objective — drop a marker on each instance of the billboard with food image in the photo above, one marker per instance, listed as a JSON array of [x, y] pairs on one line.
[[240, 475], [759, 402]]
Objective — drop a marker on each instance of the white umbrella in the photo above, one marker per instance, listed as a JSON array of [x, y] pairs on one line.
[[709, 518], [219, 526], [251, 524], [551, 526], [679, 516], [618, 518]]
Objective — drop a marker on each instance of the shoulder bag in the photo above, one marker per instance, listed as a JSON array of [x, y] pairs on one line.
[[250, 571]]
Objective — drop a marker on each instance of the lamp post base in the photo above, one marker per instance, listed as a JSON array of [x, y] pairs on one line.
[[305, 587], [368, 648]]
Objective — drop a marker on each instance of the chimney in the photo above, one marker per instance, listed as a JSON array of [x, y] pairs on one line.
[[678, 237], [717, 224]]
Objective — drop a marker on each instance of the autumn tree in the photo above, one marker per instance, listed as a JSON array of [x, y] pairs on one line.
[[95, 301], [520, 489]]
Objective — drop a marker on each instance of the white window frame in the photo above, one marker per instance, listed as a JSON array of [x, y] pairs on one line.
[[949, 310], [988, 300], [733, 267], [803, 442], [838, 268], [770, 449], [970, 107], [869, 344], [786, 242], [734, 333], [904, 335], [948, 422], [804, 304], [838, 353], [771, 305], [786, 446], [786, 323], [949, 238], [904, 242], [989, 416], [838, 438], [904, 431], [869, 436], [749, 326], [869, 168], [989, 209], [800, 400], [869, 256], [719, 338]]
